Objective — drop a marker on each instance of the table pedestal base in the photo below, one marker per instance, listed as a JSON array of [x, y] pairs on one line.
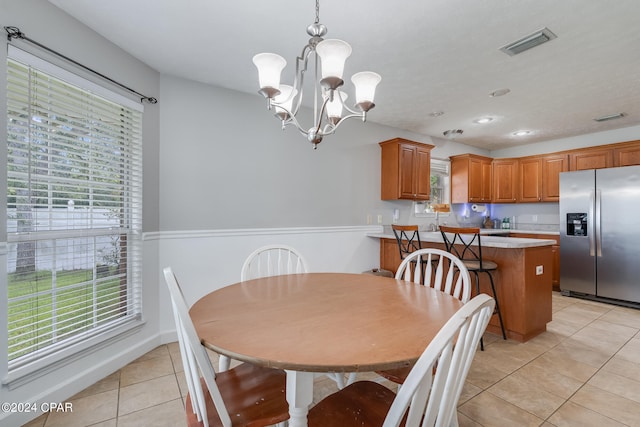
[[299, 395]]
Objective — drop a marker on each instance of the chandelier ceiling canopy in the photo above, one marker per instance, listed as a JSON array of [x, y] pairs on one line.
[[328, 56]]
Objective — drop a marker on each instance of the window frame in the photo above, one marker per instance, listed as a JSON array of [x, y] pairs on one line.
[[442, 168], [24, 369]]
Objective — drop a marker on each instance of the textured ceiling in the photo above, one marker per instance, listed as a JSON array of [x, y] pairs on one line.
[[436, 55]]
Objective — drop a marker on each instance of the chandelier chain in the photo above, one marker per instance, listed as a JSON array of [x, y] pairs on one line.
[[317, 11]]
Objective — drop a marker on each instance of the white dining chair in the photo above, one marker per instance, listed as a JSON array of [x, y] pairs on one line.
[[440, 270], [430, 394], [272, 260], [266, 261], [252, 394]]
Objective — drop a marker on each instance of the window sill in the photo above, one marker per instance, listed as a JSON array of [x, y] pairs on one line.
[[424, 210], [35, 369]]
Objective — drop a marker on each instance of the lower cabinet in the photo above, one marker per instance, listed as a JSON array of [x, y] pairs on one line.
[[389, 255], [525, 297], [555, 250]]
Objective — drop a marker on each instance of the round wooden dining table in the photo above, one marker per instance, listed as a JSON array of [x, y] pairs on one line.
[[321, 322]]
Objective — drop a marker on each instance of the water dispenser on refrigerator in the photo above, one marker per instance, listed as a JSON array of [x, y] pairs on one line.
[[576, 224]]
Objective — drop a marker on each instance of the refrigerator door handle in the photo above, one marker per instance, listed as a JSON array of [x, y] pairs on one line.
[[591, 225], [598, 223]]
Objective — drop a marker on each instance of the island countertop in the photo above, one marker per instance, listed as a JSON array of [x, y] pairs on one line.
[[488, 240]]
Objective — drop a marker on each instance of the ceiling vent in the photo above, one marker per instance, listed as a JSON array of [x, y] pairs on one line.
[[452, 133], [609, 117], [532, 40]]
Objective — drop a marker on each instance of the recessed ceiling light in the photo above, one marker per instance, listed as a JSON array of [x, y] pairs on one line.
[[499, 92], [436, 114], [452, 133], [522, 133], [483, 120]]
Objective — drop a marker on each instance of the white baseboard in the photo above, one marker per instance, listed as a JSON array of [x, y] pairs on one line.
[[60, 391]]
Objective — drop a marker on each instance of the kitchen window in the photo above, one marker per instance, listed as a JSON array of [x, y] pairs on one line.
[[440, 183], [74, 205]]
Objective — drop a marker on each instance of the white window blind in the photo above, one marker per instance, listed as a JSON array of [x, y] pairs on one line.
[[74, 208]]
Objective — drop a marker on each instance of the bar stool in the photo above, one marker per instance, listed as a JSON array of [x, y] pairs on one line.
[[408, 238], [469, 250]]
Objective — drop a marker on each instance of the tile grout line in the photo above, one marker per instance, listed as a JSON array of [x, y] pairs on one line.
[[596, 372], [546, 420], [118, 400]]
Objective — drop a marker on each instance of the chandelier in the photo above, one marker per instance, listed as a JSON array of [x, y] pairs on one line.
[[329, 100]]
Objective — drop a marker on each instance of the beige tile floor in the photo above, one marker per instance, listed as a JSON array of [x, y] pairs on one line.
[[584, 371]]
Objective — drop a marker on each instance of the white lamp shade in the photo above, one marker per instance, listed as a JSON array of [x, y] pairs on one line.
[[285, 98], [269, 67], [333, 53], [365, 83], [334, 108]]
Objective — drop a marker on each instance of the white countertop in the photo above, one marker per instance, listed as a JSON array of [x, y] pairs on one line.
[[516, 231], [488, 240]]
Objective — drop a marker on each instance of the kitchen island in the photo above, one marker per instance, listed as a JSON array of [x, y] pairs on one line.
[[522, 280]]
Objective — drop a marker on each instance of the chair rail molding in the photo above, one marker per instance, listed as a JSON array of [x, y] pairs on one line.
[[190, 234], [211, 259]]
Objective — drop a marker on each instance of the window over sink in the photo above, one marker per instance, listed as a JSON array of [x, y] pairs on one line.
[[440, 190], [440, 185]]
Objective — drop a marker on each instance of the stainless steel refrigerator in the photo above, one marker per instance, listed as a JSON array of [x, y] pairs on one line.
[[600, 234]]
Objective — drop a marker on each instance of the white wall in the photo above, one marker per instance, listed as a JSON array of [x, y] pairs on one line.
[[225, 151], [232, 180], [207, 260], [41, 21]]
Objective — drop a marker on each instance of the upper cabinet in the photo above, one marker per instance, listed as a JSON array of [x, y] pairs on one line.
[[591, 158], [530, 179], [406, 170], [627, 155], [552, 165], [471, 179], [606, 156], [505, 180], [539, 177]]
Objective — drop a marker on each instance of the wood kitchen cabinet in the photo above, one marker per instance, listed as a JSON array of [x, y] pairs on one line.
[[471, 179], [525, 297], [389, 255], [505, 180], [627, 155], [591, 158], [539, 177], [552, 165], [555, 253], [406, 170], [530, 179]]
